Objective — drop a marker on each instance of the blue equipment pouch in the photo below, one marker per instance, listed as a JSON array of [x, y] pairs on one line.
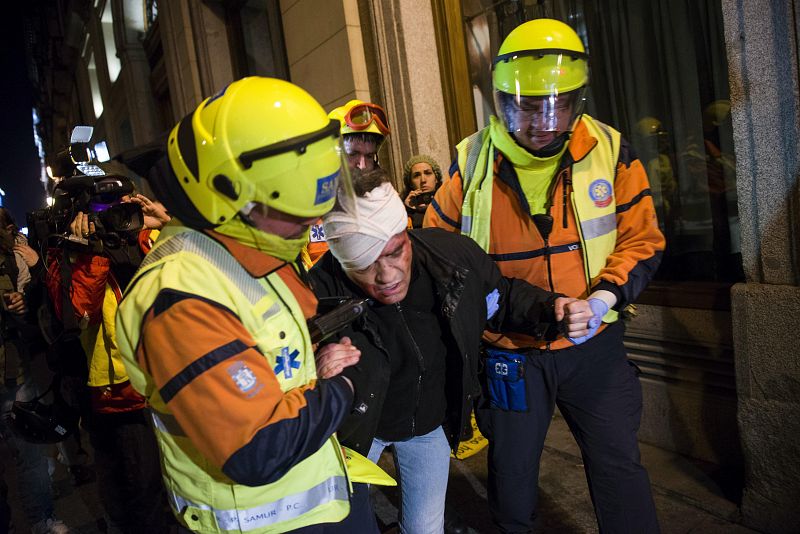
[[505, 377]]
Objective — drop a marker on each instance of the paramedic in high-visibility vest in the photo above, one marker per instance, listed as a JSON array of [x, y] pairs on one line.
[[213, 325], [558, 199]]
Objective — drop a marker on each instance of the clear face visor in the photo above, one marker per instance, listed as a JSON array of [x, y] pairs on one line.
[[540, 90], [342, 192], [315, 178], [345, 190], [523, 115]]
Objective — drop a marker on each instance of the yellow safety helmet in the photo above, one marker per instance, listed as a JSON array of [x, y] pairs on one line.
[[539, 77], [716, 113], [259, 140], [358, 117], [541, 57], [648, 126]]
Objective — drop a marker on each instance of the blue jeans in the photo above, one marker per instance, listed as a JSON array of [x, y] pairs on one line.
[[423, 463], [33, 478]]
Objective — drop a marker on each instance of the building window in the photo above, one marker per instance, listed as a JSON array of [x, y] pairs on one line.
[[256, 35], [135, 15], [94, 86], [659, 74], [107, 23], [150, 13]]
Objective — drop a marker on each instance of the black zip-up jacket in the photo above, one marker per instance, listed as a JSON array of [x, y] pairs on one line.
[[463, 276]]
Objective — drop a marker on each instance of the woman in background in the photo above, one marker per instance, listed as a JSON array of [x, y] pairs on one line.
[[421, 178]]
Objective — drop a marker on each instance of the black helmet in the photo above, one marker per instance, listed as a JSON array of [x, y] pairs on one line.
[[37, 422]]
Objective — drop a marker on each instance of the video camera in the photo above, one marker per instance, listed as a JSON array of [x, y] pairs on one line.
[[90, 186]]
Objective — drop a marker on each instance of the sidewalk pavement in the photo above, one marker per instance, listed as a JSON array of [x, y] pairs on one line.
[[687, 499]]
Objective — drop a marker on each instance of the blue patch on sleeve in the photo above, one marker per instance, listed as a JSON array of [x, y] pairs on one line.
[[244, 378], [492, 300], [326, 188]]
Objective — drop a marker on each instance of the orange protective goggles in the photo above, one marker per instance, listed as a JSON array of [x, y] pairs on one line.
[[360, 116]]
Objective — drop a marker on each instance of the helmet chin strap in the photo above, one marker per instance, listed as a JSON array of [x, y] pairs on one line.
[[552, 148], [245, 217]]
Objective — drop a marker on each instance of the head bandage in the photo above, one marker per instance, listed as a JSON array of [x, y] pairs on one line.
[[357, 241]]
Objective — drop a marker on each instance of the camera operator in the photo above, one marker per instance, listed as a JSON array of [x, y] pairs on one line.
[[126, 454], [17, 262]]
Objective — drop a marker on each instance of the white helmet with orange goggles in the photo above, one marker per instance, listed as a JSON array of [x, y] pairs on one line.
[[358, 116]]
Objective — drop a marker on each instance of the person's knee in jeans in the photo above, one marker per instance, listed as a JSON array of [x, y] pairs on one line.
[[423, 463]]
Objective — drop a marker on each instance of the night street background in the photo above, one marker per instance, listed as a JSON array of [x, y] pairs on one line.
[[19, 165]]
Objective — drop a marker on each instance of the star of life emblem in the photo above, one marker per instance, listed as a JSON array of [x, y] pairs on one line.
[[286, 362], [317, 233], [244, 377], [601, 192]]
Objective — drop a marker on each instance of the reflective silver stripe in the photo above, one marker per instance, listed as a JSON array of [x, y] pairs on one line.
[[607, 132], [284, 509], [275, 308], [208, 249], [466, 224], [598, 226], [166, 423], [474, 145]]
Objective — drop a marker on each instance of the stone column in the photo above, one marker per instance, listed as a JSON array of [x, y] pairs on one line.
[[177, 38], [211, 45], [135, 78], [404, 40], [762, 42], [380, 51]]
